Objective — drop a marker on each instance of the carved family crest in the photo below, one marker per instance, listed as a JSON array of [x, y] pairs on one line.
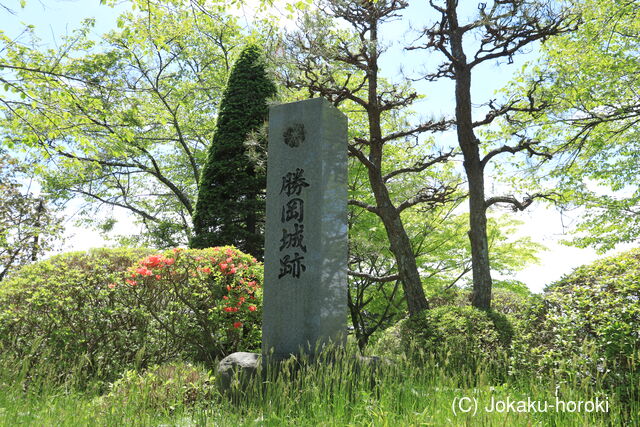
[[294, 135]]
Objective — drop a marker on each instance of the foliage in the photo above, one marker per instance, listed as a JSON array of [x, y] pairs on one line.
[[443, 255], [160, 388], [61, 312], [29, 224], [587, 324], [589, 80], [230, 206], [122, 122], [96, 311], [207, 300], [456, 336]]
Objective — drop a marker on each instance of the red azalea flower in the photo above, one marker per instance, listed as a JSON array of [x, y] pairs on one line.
[[229, 309], [143, 271], [169, 261], [252, 308], [232, 271], [111, 285], [158, 276], [237, 325], [223, 266], [131, 282], [225, 297]]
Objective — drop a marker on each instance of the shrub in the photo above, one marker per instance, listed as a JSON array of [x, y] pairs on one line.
[[62, 311], [107, 310], [587, 324], [161, 387], [208, 300], [456, 336]]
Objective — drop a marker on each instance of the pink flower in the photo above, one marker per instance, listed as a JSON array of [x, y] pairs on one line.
[[233, 270], [111, 285], [131, 282], [252, 308]]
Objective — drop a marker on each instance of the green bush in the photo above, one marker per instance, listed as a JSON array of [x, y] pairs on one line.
[[61, 311], [587, 324], [161, 387], [456, 336], [107, 310], [207, 300]]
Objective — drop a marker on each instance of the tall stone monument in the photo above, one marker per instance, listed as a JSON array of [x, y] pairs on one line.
[[305, 269]]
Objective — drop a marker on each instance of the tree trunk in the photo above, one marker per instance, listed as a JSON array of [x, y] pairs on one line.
[[481, 297], [388, 213]]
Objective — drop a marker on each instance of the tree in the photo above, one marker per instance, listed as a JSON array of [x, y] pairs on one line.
[[343, 66], [123, 122], [501, 30], [230, 206], [591, 84], [29, 224]]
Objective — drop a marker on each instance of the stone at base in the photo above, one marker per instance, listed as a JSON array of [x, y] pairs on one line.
[[240, 366]]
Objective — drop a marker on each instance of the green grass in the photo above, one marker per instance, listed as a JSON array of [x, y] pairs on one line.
[[316, 394]]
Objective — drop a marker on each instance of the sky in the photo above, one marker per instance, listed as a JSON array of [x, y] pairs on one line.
[[55, 18]]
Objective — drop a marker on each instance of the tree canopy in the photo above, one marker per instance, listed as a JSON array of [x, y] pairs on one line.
[[589, 80], [124, 121]]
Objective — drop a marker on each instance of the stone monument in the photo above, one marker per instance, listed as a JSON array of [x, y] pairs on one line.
[[305, 268]]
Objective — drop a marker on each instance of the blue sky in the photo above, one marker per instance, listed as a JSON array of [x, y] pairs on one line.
[[55, 18]]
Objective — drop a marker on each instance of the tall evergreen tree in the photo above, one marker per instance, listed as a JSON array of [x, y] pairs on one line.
[[230, 207]]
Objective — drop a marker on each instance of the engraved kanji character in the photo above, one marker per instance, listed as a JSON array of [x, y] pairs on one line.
[[293, 240], [294, 209], [293, 182], [292, 266]]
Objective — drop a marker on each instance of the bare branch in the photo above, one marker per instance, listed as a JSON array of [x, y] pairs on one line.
[[363, 205], [373, 278], [425, 163], [525, 144], [517, 205]]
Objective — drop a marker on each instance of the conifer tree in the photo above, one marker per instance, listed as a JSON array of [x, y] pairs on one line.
[[230, 206]]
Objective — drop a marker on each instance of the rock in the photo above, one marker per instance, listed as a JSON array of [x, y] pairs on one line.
[[237, 367]]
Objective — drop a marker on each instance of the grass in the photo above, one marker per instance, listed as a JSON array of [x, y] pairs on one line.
[[339, 392]]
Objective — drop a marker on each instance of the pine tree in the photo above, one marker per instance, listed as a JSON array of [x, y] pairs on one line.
[[230, 207]]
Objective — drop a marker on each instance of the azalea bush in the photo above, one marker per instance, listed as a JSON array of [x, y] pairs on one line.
[[101, 312], [208, 300]]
